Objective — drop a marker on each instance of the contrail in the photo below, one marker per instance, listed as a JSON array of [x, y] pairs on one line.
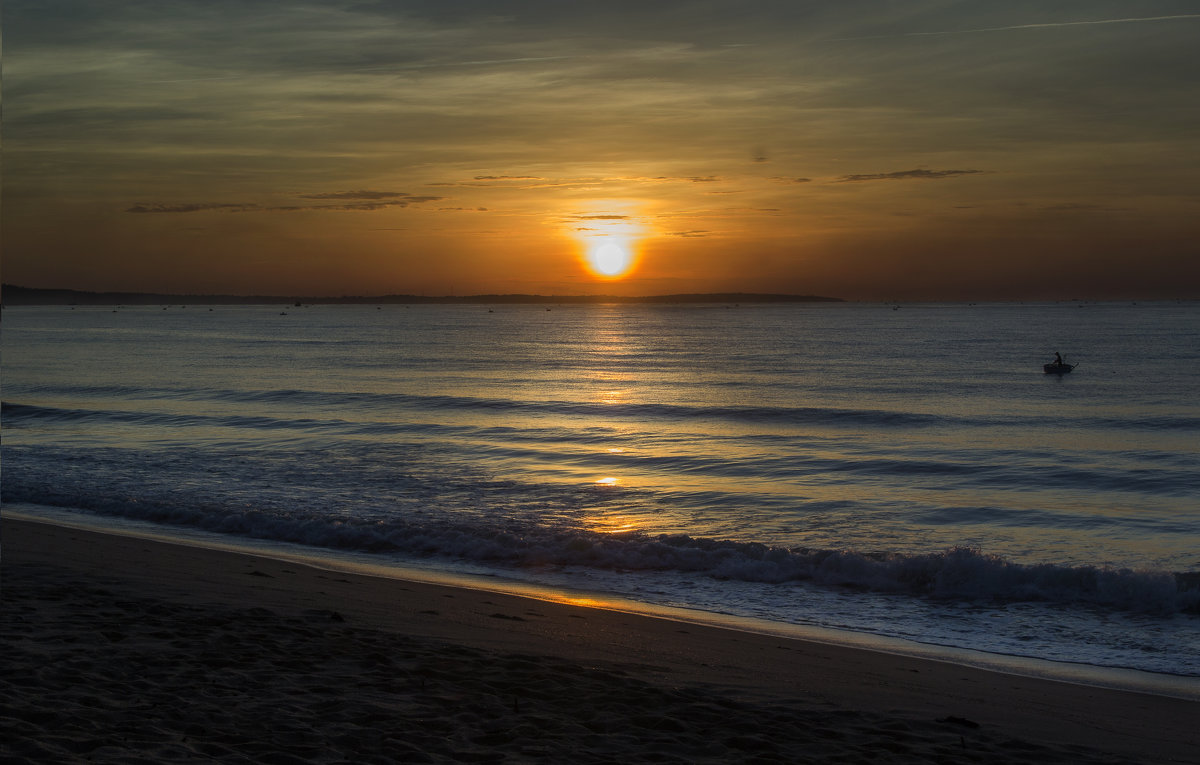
[[1055, 24], [1027, 26]]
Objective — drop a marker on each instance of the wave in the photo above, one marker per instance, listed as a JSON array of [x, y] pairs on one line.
[[959, 574], [434, 403], [768, 415], [957, 468]]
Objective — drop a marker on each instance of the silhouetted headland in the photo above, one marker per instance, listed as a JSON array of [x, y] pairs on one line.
[[16, 295]]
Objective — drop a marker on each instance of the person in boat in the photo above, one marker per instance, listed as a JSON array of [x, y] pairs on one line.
[[1058, 359]]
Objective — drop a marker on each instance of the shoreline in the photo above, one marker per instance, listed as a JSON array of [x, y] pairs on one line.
[[1181, 686], [533, 655]]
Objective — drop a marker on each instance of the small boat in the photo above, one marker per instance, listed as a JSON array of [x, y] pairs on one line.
[[1056, 368]]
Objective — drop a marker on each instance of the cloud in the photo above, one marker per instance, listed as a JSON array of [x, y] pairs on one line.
[[1083, 207], [404, 200], [600, 217], [905, 175], [781, 179], [159, 207], [365, 205], [357, 195], [694, 234], [528, 182], [523, 182]]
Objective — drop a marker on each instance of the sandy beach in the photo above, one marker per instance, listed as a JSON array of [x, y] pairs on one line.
[[123, 649]]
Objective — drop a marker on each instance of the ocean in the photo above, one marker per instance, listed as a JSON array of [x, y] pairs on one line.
[[905, 473]]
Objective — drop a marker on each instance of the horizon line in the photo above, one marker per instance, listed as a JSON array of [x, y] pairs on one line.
[[20, 295]]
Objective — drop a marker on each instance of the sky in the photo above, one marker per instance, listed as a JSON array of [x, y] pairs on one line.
[[864, 149]]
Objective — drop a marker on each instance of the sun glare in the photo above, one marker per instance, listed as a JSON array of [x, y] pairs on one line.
[[608, 233], [610, 258]]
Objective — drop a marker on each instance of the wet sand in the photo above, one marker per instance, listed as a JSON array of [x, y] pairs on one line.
[[125, 650]]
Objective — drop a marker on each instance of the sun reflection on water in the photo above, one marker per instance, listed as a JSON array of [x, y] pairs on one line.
[[612, 397], [612, 524], [577, 601]]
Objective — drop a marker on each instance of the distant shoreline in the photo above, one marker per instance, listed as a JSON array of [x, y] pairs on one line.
[[16, 295]]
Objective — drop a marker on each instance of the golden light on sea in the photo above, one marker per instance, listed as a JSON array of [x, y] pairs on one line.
[[612, 524]]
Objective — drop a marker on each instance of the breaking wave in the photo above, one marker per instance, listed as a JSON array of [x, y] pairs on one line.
[[958, 574]]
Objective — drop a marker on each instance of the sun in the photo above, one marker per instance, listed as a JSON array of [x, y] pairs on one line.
[[610, 258], [608, 235]]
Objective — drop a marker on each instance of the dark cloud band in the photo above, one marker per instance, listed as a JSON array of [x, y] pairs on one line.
[[905, 175]]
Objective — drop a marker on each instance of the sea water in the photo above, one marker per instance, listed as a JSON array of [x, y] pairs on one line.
[[897, 471]]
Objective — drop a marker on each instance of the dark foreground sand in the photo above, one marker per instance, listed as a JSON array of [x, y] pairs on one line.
[[123, 650]]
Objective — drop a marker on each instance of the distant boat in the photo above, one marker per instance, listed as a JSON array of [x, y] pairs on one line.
[[1057, 368]]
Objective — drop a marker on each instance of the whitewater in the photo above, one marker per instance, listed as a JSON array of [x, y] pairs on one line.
[[900, 471]]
